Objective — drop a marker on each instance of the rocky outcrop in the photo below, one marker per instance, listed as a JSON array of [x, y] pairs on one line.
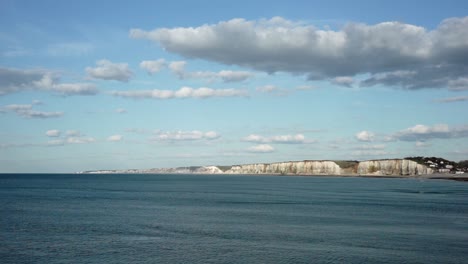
[[400, 167]]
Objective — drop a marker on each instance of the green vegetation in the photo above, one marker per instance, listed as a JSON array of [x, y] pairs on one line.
[[372, 169], [344, 164], [224, 168]]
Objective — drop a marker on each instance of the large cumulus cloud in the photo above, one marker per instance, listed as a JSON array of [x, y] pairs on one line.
[[390, 53]]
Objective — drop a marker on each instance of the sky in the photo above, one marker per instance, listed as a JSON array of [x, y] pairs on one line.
[[93, 85]]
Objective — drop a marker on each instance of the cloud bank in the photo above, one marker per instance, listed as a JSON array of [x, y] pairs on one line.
[[184, 92], [18, 80], [422, 133], [390, 53], [27, 111]]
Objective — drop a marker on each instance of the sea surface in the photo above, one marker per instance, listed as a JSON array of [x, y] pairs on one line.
[[65, 218]]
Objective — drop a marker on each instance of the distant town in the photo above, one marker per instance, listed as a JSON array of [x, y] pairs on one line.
[[442, 165]]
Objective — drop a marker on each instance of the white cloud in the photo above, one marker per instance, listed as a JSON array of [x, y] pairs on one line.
[[305, 87], [459, 84], [80, 140], [392, 53], [423, 133], [178, 68], [184, 92], [56, 142], [115, 138], [107, 70], [267, 89], [234, 76], [121, 110], [274, 90], [281, 139], [343, 81], [53, 133], [184, 135], [453, 99], [365, 136], [16, 80], [262, 148], [154, 66], [68, 89], [70, 137], [27, 111], [421, 144], [73, 133]]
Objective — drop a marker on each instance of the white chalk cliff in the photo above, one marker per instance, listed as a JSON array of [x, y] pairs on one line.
[[387, 167], [391, 167], [292, 167]]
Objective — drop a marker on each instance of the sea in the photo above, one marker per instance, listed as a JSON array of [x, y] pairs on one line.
[[124, 218]]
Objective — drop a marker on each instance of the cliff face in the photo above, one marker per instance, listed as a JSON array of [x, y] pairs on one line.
[[292, 167], [395, 167], [389, 167], [392, 167]]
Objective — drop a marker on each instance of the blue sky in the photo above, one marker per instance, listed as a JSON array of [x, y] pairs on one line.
[[143, 84]]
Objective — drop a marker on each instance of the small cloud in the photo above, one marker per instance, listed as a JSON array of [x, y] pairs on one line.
[[73, 133], [343, 81], [17, 80], [80, 140], [53, 133], [56, 142], [184, 135], [274, 90], [262, 148], [422, 144], [26, 111], [234, 76], [280, 139], [178, 68], [365, 136], [107, 70], [115, 138], [70, 137], [154, 66], [267, 89], [184, 92], [453, 99], [121, 110], [67, 89], [227, 76], [305, 87]]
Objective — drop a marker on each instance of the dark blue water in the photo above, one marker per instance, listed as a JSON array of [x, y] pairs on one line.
[[231, 219]]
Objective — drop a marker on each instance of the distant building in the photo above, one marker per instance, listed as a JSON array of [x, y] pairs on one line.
[[448, 166], [444, 170], [459, 172]]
